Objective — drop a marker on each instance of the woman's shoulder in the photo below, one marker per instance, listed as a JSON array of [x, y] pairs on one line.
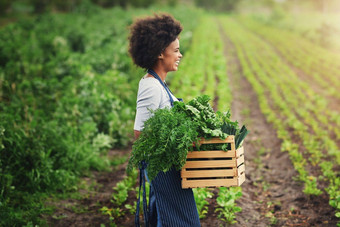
[[149, 85]]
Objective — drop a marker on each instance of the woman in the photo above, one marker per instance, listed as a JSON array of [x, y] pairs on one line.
[[154, 46]]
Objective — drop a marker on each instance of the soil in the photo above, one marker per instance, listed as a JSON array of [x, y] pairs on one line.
[[271, 196], [85, 211]]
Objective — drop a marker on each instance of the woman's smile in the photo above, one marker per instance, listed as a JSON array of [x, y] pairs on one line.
[[171, 57]]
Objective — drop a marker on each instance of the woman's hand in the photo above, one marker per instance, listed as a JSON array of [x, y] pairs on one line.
[[137, 133]]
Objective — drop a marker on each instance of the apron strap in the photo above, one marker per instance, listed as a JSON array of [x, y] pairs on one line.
[[154, 74], [142, 167]]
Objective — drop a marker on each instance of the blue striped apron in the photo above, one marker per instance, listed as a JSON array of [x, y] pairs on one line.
[[169, 204]]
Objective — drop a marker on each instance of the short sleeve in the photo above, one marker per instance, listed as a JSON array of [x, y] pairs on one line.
[[148, 98]]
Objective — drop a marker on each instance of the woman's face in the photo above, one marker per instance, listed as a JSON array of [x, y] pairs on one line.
[[171, 57]]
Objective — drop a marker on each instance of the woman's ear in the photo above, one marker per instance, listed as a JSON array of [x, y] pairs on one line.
[[160, 56]]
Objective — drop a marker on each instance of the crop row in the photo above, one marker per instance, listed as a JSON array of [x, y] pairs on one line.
[[281, 100], [59, 113], [303, 60], [120, 205], [321, 65], [67, 96], [198, 74], [309, 106], [288, 85], [318, 27], [203, 70]]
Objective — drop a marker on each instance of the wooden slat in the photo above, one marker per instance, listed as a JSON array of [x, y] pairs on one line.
[[240, 160], [208, 173], [239, 151], [229, 139], [236, 158], [240, 169], [184, 180], [232, 146], [210, 183], [211, 154], [210, 164], [241, 179]]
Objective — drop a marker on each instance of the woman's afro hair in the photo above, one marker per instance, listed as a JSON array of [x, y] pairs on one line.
[[150, 36]]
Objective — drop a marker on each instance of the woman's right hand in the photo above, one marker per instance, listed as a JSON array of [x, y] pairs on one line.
[[137, 134]]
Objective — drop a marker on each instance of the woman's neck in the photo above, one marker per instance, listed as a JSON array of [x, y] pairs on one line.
[[161, 73]]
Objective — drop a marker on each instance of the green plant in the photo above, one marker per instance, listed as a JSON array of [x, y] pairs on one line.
[[201, 195], [226, 204], [284, 97], [113, 213], [273, 219], [164, 141], [119, 197], [66, 97], [170, 133], [131, 208], [123, 187]]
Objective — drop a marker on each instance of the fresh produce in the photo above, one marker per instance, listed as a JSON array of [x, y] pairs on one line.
[[170, 133]]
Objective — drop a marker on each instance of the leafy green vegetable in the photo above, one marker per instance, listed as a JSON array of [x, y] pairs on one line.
[[170, 133], [231, 128], [240, 136], [164, 142], [200, 111]]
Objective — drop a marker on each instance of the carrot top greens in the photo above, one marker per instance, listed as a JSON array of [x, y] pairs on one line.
[[170, 133]]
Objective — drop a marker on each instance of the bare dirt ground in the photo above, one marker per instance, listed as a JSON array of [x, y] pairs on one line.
[[85, 210]]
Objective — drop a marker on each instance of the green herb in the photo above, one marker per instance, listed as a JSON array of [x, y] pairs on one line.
[[164, 141]]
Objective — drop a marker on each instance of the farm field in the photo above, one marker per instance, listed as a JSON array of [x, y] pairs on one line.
[[321, 28], [67, 106]]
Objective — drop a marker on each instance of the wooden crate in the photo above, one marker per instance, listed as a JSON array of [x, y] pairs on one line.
[[215, 168]]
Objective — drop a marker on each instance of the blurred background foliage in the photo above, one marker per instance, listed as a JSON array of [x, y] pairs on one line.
[[68, 95], [40, 6], [68, 86]]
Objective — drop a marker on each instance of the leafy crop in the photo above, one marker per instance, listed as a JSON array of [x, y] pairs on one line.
[[226, 203], [286, 97], [201, 195]]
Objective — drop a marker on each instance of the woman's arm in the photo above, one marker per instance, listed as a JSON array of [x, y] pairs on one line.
[[148, 98], [137, 133]]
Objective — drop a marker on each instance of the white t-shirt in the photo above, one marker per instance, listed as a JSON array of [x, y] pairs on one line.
[[151, 96]]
